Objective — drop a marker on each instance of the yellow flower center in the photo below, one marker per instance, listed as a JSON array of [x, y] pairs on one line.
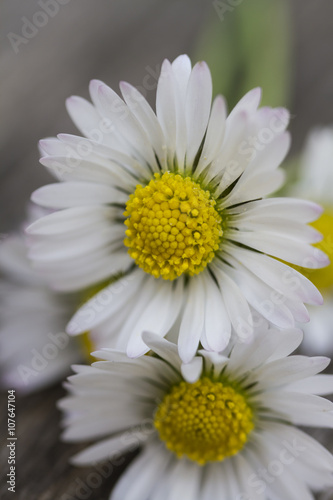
[[207, 421], [323, 278], [173, 226], [85, 342], [87, 346]]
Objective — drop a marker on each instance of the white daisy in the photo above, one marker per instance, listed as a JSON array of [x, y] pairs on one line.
[[218, 427], [35, 350], [315, 180], [186, 186]]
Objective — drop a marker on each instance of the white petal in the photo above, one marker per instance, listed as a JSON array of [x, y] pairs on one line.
[[192, 323], [215, 479], [84, 115], [262, 298], [278, 226], [166, 107], [215, 134], [214, 362], [96, 426], [197, 108], [68, 277], [69, 219], [230, 162], [282, 278], [126, 341], [217, 323], [245, 472], [72, 194], [106, 303], [289, 341], [147, 119], [57, 251], [301, 409], [312, 447], [249, 102], [236, 305], [316, 474], [181, 68], [257, 186], [163, 348], [249, 356], [192, 370], [318, 384], [290, 369], [108, 448], [126, 123], [271, 156], [140, 478], [299, 210], [184, 482], [69, 169], [50, 146], [292, 251], [125, 168], [158, 316]]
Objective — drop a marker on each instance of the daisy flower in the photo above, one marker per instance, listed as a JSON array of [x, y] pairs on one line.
[[172, 203], [217, 427], [315, 180]]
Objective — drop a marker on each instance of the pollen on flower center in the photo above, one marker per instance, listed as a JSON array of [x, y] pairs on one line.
[[173, 226], [207, 421]]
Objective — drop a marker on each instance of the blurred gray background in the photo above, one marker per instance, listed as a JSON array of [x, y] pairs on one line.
[[111, 40]]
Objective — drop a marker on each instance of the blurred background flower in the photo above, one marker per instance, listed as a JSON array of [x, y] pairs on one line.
[[312, 178]]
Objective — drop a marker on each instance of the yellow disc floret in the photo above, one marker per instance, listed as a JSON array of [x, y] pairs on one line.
[[206, 421], [87, 346], [173, 226]]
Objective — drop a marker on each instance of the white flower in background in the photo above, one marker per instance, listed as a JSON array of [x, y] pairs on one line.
[[173, 204], [35, 351], [315, 181], [218, 427]]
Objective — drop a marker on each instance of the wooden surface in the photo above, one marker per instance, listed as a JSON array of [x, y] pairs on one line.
[[110, 40]]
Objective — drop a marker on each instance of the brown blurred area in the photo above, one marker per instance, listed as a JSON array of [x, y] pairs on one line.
[[110, 40]]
